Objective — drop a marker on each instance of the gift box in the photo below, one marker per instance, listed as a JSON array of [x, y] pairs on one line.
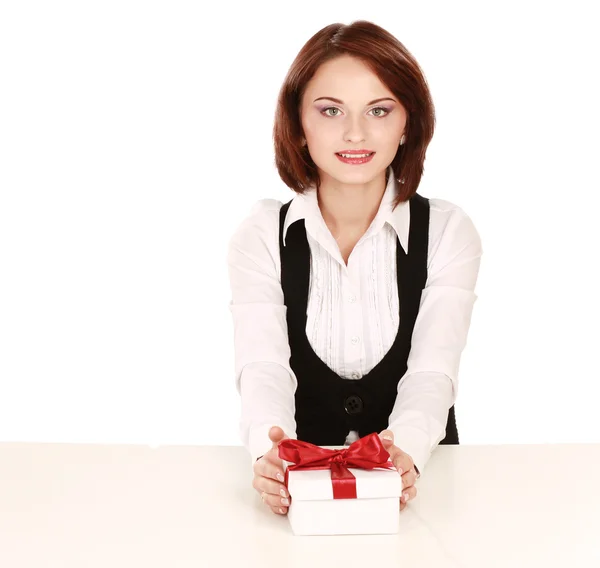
[[337, 490]]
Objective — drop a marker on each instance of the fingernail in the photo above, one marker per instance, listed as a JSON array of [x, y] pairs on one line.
[[281, 511], [285, 502], [387, 438], [283, 493], [280, 477], [400, 471], [405, 497]]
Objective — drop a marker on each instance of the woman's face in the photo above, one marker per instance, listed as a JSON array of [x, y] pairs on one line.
[[352, 122]]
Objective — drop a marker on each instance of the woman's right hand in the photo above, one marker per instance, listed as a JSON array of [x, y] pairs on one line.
[[268, 476]]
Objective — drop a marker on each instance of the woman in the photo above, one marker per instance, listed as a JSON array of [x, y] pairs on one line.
[[352, 302]]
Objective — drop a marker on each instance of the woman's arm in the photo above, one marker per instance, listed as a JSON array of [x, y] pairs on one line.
[[429, 387], [263, 377]]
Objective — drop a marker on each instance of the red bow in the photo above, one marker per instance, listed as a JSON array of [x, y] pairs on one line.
[[366, 453]]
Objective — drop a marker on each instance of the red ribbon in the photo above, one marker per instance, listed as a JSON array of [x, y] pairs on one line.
[[366, 453]]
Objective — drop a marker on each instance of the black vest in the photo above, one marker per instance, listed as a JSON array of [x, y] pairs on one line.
[[329, 406]]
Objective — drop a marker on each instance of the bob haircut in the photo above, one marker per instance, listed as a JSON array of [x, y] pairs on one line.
[[394, 66]]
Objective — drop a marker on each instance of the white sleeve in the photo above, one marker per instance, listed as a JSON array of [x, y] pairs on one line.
[[430, 385], [263, 376]]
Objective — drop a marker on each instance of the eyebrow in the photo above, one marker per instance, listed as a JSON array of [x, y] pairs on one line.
[[342, 102]]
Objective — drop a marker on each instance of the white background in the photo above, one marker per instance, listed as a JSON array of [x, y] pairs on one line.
[[136, 136]]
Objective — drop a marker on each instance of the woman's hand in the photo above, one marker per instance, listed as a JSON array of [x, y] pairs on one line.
[[268, 476], [404, 464]]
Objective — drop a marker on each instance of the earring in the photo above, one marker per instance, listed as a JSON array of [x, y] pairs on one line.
[[402, 140], [303, 141]]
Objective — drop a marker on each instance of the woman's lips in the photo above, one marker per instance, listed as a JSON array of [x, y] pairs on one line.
[[355, 161]]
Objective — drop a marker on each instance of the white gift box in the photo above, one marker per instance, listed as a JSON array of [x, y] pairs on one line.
[[314, 511]]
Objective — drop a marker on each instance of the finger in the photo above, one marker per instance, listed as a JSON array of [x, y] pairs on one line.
[[387, 438], [270, 467], [395, 453], [398, 459], [280, 510], [276, 434], [409, 478], [274, 501], [401, 460], [269, 486], [408, 494]]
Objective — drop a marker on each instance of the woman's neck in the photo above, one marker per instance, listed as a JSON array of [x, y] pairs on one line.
[[350, 208]]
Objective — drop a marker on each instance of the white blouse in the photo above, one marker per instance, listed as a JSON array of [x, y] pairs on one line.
[[352, 315]]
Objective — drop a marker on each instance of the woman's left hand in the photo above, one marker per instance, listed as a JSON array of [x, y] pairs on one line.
[[404, 464]]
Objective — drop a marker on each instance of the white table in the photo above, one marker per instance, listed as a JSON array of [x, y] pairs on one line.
[[113, 506]]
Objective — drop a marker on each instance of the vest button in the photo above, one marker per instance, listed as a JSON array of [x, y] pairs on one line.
[[353, 404]]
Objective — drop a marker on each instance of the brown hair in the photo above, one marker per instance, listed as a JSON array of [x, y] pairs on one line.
[[395, 67]]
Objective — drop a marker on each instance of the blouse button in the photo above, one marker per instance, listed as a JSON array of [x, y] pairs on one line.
[[355, 340]]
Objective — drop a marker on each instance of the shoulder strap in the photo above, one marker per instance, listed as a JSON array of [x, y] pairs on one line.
[[282, 213], [412, 267]]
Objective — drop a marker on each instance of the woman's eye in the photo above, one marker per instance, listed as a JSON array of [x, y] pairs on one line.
[[329, 108], [385, 110], [381, 111]]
